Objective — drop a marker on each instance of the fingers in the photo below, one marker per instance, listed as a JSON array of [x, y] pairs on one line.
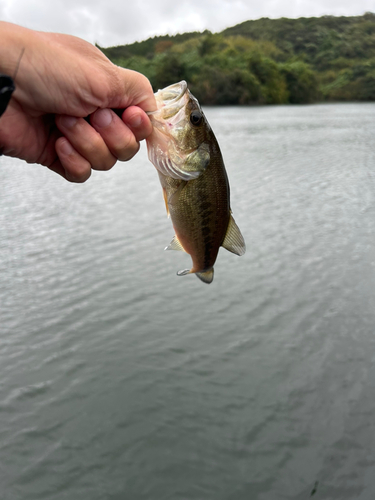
[[70, 164], [118, 137], [86, 141], [99, 144], [138, 122]]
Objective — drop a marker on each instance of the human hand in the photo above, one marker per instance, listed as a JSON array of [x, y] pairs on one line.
[[61, 80]]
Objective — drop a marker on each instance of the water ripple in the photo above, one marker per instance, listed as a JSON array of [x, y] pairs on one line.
[[121, 380]]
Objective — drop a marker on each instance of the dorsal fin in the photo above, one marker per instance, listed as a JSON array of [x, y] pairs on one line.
[[233, 241]]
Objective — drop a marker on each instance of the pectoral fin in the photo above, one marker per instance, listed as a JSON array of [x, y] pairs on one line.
[[173, 198], [166, 202], [233, 240]]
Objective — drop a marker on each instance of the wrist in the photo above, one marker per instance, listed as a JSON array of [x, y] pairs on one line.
[[13, 42]]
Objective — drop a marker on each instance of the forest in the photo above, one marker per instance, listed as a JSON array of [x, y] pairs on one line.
[[266, 61]]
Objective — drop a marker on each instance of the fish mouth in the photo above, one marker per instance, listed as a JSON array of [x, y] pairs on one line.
[[170, 98], [170, 95]]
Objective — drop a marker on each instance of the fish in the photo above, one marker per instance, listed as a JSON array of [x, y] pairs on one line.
[[187, 157]]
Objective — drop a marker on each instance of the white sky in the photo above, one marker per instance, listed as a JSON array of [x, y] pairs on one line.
[[117, 22]]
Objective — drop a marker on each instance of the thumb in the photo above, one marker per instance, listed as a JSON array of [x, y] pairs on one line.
[[137, 91]]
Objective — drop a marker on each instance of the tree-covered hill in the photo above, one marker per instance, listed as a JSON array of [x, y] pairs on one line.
[[264, 61]]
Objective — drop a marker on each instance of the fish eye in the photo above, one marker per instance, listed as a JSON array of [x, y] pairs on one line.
[[196, 118]]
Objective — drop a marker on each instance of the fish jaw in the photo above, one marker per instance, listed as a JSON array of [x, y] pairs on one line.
[[172, 147], [170, 96], [170, 102]]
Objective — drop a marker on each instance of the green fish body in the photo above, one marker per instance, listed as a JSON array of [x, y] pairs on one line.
[[195, 185]]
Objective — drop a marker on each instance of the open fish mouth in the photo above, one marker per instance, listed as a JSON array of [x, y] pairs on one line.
[[170, 100], [172, 94], [167, 148]]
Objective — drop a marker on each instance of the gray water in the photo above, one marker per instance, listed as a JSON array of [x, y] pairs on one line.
[[120, 380]]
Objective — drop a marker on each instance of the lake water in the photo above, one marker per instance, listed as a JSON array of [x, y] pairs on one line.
[[120, 380]]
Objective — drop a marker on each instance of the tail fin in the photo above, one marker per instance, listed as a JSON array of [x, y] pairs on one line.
[[207, 276]]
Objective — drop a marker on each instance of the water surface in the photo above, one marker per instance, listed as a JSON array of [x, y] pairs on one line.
[[120, 380]]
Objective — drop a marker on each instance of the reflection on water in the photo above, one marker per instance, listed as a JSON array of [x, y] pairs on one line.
[[121, 380]]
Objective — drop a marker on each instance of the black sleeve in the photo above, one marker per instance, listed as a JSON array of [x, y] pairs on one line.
[[6, 89]]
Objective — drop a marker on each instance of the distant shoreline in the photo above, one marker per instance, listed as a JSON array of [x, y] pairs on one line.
[[266, 61]]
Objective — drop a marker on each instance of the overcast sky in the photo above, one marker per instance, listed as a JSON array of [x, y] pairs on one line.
[[117, 22]]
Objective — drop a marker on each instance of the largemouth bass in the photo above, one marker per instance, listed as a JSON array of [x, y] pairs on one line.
[[195, 185]]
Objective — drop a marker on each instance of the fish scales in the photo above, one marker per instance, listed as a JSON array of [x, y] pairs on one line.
[[192, 174], [201, 213]]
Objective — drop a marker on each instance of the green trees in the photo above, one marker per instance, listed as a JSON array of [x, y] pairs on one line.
[[301, 82], [268, 61], [222, 86], [356, 82], [270, 77], [170, 69]]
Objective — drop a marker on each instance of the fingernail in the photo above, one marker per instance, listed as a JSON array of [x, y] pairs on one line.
[[135, 121], [103, 117], [66, 148], [68, 121]]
